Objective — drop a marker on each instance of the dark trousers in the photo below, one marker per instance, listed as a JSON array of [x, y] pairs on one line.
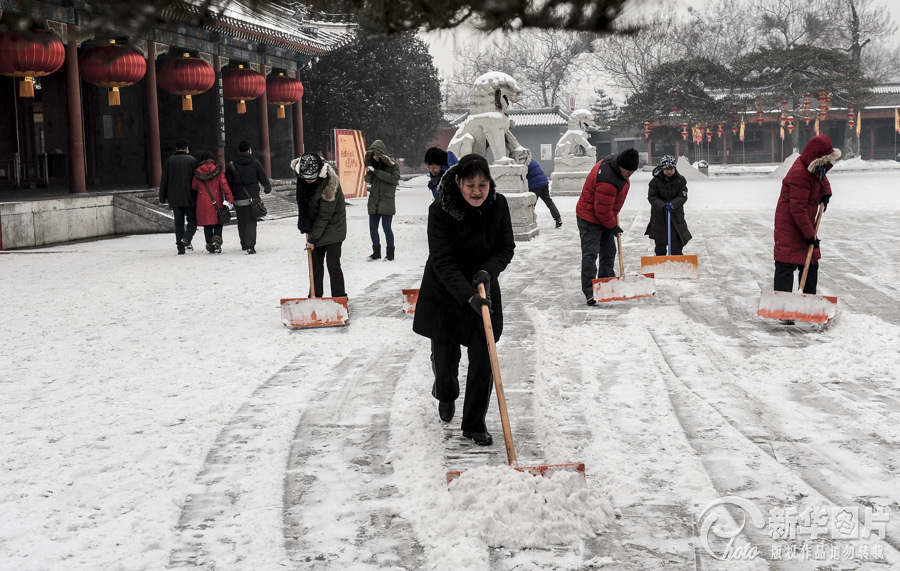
[[330, 255], [386, 224], [180, 213], [246, 227], [595, 241], [676, 245], [210, 231], [784, 276], [543, 192], [479, 379]]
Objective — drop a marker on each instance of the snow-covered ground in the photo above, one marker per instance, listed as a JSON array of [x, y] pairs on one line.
[[156, 414]]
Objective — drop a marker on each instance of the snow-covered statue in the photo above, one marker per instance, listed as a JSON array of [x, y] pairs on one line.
[[488, 125], [574, 142]]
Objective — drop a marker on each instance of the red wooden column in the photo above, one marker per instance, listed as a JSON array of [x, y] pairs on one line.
[[151, 110], [871, 143], [265, 156], [772, 137], [649, 150], [725, 147], [297, 112], [73, 113]]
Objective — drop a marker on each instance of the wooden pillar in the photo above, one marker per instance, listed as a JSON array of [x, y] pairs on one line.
[[151, 110], [725, 147], [650, 150], [298, 123], [265, 155], [772, 139], [73, 115], [871, 143]]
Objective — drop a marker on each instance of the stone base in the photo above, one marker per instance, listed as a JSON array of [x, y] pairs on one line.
[[567, 183], [574, 164], [510, 181]]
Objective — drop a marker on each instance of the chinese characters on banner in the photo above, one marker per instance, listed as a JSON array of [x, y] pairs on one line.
[[349, 152]]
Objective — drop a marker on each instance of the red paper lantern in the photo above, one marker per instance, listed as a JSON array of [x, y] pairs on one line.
[[30, 55], [186, 76], [647, 130], [790, 124], [112, 66], [759, 118], [851, 117], [684, 131], [241, 84], [709, 133], [719, 130], [281, 91]]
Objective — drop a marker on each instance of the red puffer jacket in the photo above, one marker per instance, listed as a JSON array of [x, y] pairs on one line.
[[801, 193], [603, 193], [215, 180]]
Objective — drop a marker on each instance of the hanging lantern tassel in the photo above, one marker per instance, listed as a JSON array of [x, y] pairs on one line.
[[242, 107], [26, 88], [115, 97], [279, 113], [187, 103]]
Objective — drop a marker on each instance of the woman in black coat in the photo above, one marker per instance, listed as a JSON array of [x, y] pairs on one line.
[[470, 241], [667, 194]]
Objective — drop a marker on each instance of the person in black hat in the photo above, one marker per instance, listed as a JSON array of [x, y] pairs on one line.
[[597, 215], [322, 216]]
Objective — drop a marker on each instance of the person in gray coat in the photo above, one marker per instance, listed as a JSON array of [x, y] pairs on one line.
[[175, 188], [245, 175]]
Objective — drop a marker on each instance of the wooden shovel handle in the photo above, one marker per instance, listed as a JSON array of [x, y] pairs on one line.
[[498, 381], [809, 251], [619, 242], [312, 285]]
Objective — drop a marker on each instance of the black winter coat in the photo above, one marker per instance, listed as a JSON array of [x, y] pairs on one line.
[[322, 210], [177, 176], [461, 241], [662, 191], [245, 177]]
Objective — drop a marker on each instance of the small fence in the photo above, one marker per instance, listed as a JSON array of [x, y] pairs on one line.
[[18, 173]]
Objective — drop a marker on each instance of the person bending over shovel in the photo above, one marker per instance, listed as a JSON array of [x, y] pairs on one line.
[[322, 216], [802, 190], [470, 242]]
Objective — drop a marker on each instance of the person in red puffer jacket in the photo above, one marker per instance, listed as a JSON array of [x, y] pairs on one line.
[[215, 188], [802, 190], [597, 211]]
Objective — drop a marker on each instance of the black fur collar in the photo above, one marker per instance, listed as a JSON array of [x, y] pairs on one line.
[[451, 199]]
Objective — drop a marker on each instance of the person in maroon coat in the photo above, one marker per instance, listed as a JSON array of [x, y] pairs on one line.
[[210, 184], [597, 211], [802, 190]]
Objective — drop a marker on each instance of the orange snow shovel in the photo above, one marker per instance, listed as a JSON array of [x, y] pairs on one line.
[[539, 470], [799, 306], [410, 297], [671, 266], [314, 311], [623, 287]]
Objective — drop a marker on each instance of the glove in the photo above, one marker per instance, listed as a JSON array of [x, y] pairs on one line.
[[615, 229], [824, 201], [669, 207], [476, 301], [482, 277], [812, 242], [370, 169]]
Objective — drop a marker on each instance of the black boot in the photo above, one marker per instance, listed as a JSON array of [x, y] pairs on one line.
[[390, 254], [376, 253]]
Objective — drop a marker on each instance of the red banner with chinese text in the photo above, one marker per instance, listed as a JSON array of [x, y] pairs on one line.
[[349, 152]]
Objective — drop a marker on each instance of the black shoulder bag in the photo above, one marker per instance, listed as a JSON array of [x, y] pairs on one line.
[[257, 208], [223, 213]]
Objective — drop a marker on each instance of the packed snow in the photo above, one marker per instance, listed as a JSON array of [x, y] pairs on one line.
[[156, 413]]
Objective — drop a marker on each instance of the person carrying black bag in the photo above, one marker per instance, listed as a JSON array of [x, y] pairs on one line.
[[245, 174]]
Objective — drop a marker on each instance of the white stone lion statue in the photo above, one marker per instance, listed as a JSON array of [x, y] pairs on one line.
[[574, 142], [488, 125]]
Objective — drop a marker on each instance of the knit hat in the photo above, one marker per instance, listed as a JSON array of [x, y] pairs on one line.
[[667, 161], [629, 160], [309, 165]]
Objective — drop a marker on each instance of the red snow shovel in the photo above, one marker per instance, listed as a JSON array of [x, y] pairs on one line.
[[539, 470], [671, 266], [623, 287], [799, 306], [314, 311], [410, 297]]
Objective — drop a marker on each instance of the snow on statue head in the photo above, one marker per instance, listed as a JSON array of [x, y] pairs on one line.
[[574, 142], [488, 125]]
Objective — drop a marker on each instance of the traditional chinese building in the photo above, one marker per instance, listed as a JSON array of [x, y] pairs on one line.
[[79, 111]]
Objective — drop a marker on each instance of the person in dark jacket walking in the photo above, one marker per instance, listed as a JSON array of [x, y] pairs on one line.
[[803, 188], [245, 175], [597, 215], [175, 188], [538, 184], [667, 194], [383, 176], [470, 242], [322, 216], [437, 161], [210, 185]]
